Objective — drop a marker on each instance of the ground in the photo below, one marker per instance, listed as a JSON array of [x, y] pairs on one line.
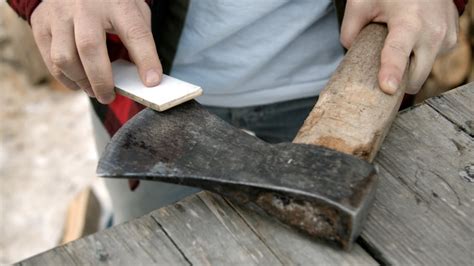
[[47, 156]]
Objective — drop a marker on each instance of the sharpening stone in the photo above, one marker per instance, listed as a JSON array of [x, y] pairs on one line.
[[169, 93]]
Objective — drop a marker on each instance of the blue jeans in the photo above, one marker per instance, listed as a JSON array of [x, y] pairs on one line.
[[273, 123]]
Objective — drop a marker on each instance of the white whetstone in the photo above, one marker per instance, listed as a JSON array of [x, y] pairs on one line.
[[169, 93]]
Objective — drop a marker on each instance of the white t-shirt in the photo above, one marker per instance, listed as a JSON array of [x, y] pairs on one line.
[[254, 52]]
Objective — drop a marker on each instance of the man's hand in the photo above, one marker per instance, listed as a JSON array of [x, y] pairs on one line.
[[420, 29], [71, 36]]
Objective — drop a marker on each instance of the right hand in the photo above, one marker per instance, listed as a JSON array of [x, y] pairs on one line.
[[71, 38]]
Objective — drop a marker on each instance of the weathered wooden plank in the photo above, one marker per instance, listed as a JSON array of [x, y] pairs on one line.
[[293, 248], [139, 242], [422, 213], [56, 256], [212, 236], [423, 209], [457, 106]]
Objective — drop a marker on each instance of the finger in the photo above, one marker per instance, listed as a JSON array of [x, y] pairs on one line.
[[43, 39], [355, 18], [145, 10], [135, 32], [395, 57], [65, 80], [452, 32], [64, 56], [420, 68], [90, 41]]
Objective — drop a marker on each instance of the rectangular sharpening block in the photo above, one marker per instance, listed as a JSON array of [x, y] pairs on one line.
[[169, 93]]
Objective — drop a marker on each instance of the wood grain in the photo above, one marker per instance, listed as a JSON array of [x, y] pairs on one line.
[[294, 248], [211, 236], [352, 114], [235, 236], [139, 242], [423, 209], [457, 106]]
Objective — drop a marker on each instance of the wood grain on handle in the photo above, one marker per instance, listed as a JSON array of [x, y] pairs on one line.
[[352, 114]]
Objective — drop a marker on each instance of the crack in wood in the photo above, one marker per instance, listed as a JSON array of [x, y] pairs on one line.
[[373, 251], [231, 205], [172, 240], [458, 127], [450, 187]]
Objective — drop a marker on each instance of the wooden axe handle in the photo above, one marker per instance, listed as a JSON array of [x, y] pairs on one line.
[[352, 114]]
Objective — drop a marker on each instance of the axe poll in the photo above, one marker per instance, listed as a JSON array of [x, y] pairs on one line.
[[322, 184]]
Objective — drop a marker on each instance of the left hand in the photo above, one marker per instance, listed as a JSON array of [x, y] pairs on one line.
[[418, 29]]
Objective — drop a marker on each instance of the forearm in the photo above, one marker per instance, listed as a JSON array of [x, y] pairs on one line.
[[24, 8]]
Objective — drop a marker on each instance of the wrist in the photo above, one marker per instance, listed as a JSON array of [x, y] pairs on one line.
[[24, 8], [461, 5]]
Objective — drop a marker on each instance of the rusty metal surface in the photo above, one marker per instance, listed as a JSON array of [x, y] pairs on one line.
[[321, 192]]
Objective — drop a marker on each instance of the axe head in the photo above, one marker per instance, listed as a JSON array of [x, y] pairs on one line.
[[317, 190]]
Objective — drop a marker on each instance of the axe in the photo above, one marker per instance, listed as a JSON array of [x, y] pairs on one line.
[[323, 183]]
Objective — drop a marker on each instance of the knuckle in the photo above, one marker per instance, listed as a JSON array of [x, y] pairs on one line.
[[41, 34], [438, 32], [398, 48], [412, 25], [56, 72], [414, 86], [83, 83], [344, 39], [452, 40], [417, 10], [61, 59], [101, 86], [138, 32], [352, 3], [87, 43]]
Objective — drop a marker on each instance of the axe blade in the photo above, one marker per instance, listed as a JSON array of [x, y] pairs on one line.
[[322, 192]]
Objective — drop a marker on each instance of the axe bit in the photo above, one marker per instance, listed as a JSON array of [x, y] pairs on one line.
[[325, 192]]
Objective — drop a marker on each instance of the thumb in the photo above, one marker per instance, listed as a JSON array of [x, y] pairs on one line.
[[135, 32], [394, 58]]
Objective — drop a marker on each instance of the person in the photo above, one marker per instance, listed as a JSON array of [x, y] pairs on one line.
[[261, 63]]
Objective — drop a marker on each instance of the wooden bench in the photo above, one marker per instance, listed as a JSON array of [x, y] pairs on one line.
[[423, 213]]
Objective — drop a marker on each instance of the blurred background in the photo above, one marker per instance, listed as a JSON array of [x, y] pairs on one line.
[[49, 193], [47, 152]]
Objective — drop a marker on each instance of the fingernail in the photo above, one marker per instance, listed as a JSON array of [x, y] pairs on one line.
[[107, 98], [152, 77], [392, 84]]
